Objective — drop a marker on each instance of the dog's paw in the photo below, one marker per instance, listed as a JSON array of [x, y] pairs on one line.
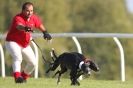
[[58, 83], [75, 83]]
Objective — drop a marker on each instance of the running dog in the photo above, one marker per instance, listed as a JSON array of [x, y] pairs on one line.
[[75, 62]]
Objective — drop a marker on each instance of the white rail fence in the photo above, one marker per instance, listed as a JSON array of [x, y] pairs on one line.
[[74, 36]]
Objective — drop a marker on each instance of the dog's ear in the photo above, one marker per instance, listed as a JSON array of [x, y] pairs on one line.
[[87, 60]]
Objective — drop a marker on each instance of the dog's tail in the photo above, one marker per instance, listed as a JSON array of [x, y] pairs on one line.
[[56, 60], [53, 55], [55, 63]]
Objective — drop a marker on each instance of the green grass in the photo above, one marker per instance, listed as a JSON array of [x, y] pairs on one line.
[[8, 82]]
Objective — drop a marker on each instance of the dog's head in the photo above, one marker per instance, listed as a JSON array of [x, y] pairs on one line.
[[87, 66], [93, 66]]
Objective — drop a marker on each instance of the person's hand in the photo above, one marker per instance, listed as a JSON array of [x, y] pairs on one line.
[[28, 29], [46, 35]]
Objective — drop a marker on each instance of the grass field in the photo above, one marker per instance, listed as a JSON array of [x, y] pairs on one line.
[[8, 82]]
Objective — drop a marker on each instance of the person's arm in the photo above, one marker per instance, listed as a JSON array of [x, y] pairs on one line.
[[20, 27], [42, 28], [25, 28], [46, 35]]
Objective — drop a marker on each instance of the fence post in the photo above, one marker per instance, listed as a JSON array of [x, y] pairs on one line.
[[36, 55], [121, 57], [78, 48], [2, 62]]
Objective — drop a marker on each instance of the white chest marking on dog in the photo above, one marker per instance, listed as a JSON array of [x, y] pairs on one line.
[[80, 64]]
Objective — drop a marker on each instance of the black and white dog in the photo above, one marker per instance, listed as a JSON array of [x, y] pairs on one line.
[[75, 62]]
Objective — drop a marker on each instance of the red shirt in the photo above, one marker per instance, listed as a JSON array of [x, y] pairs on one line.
[[19, 36]]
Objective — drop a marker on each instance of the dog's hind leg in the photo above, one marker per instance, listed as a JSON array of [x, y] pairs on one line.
[[60, 73], [56, 73], [48, 70]]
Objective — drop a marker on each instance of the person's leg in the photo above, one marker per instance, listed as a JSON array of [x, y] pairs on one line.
[[30, 60], [15, 51]]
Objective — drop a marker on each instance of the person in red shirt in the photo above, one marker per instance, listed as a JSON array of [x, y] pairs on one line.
[[18, 39]]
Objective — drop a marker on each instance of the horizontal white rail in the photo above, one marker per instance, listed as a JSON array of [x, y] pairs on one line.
[[83, 35], [88, 35]]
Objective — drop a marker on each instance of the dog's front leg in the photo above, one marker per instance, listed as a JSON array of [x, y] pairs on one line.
[[74, 81], [79, 74], [73, 77]]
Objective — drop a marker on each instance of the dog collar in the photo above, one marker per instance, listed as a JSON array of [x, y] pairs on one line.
[[80, 64]]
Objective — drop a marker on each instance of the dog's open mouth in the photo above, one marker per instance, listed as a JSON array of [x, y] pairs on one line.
[[89, 71]]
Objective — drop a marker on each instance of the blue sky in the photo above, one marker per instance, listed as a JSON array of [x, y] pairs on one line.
[[129, 4]]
